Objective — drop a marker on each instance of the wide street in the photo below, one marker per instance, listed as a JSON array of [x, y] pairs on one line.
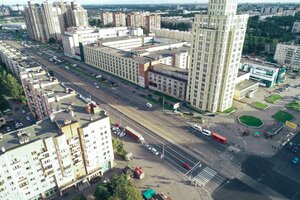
[[181, 144]]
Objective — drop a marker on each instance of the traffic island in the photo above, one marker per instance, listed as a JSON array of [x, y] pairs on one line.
[[273, 98], [250, 121], [293, 106], [259, 105], [283, 116]]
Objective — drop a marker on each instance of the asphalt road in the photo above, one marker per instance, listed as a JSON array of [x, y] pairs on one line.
[[181, 144]]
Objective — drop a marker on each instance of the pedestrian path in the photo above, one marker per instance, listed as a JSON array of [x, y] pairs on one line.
[[204, 176]]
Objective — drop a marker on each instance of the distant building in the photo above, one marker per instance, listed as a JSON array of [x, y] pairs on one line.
[[45, 21], [296, 27], [173, 34], [106, 18], [72, 38], [4, 11], [150, 21], [267, 74], [288, 55], [119, 19]]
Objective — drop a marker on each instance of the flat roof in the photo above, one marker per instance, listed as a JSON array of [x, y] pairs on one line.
[[258, 62], [241, 73], [39, 130], [245, 84]]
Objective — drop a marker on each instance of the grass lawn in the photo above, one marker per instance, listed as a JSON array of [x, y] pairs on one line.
[[293, 106], [3, 103], [273, 98], [251, 121], [259, 105], [283, 116], [229, 110]]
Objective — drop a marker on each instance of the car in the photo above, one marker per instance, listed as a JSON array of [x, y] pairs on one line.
[[206, 132], [95, 83], [98, 76], [197, 127], [295, 149], [149, 105], [187, 166], [23, 111], [122, 134], [28, 118], [8, 129], [148, 147], [153, 150], [295, 160], [95, 180], [97, 87]]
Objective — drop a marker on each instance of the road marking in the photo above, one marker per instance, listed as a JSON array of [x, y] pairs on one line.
[[204, 176]]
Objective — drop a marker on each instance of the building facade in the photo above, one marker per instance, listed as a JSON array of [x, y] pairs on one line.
[[86, 35], [168, 80], [119, 19], [107, 18], [267, 74], [216, 49], [288, 55], [296, 27], [173, 34], [150, 21]]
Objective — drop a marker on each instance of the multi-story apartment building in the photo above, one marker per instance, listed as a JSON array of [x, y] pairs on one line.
[[267, 74], [296, 27], [150, 21], [288, 55], [173, 34], [67, 150], [15, 61], [119, 19], [107, 18], [129, 58], [45, 21], [169, 80], [4, 11], [86, 35], [216, 49]]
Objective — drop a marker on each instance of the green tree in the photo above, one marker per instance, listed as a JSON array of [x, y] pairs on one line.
[[125, 192], [117, 145], [14, 88], [80, 197], [114, 198], [101, 192]]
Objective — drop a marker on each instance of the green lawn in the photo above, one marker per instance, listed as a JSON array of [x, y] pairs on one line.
[[259, 105], [168, 98], [293, 106], [251, 121], [283, 116], [229, 110], [273, 98]]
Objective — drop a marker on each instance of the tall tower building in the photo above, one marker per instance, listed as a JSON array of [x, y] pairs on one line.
[[216, 48]]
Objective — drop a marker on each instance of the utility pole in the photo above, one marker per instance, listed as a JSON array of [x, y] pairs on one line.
[[163, 152]]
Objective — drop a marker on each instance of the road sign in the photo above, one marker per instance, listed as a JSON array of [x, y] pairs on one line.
[[176, 105], [291, 124]]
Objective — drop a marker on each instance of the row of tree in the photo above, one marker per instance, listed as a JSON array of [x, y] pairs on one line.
[[117, 188], [263, 36], [182, 26], [10, 86]]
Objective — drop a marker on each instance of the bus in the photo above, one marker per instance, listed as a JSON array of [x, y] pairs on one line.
[[219, 138]]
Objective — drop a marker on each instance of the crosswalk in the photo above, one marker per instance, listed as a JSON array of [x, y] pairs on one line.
[[204, 176], [230, 152]]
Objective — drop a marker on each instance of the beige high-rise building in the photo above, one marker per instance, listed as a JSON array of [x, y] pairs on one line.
[[107, 18], [216, 49], [150, 21], [119, 19]]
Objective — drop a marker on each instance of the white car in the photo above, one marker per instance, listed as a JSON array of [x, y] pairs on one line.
[[28, 118], [8, 129], [153, 150], [23, 111], [149, 105], [148, 147], [97, 86], [197, 127], [206, 132], [122, 134]]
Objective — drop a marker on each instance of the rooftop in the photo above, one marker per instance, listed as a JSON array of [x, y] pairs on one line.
[[258, 62], [40, 130], [245, 84]]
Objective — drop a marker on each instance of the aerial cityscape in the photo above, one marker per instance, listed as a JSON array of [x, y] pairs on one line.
[[131, 100]]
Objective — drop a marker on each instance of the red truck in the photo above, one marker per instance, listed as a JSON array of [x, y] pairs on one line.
[[134, 134]]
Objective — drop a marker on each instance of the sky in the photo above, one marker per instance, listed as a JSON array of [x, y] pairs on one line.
[[9, 2]]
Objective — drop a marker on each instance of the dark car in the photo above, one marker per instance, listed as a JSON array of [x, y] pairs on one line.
[[295, 149], [95, 180], [187, 166]]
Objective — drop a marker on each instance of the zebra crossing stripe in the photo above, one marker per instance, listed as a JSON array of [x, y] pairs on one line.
[[204, 176]]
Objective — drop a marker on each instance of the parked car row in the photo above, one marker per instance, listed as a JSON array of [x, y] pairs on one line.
[[118, 131], [202, 130]]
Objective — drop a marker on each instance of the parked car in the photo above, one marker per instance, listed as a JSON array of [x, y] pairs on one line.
[[197, 127], [206, 132], [28, 118], [8, 129], [295, 149], [148, 147], [187, 166], [295, 160]]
